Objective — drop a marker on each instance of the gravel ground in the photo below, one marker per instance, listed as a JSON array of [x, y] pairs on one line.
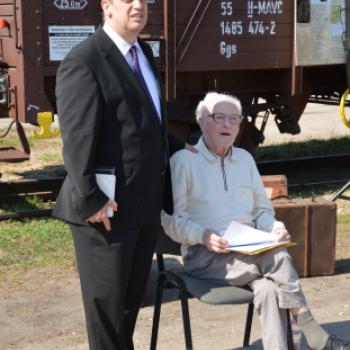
[[45, 311]]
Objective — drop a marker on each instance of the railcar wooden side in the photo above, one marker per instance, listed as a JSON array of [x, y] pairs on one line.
[[241, 47]]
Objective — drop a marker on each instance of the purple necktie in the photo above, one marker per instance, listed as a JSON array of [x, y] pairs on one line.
[[141, 79]]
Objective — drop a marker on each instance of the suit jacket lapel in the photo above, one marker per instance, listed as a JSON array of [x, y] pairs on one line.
[[149, 55], [123, 70]]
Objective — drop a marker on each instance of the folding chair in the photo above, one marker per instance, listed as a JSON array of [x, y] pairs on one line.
[[205, 291]]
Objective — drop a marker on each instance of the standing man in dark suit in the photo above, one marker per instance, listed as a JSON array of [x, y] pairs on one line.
[[112, 112]]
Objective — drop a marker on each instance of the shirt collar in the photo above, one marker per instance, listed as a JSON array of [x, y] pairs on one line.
[[211, 156], [122, 45]]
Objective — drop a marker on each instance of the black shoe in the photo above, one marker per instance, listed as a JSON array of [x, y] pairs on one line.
[[334, 343]]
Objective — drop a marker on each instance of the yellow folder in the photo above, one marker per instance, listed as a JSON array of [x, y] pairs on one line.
[[259, 248]]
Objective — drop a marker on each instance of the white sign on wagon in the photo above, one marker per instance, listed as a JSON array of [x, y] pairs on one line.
[[63, 38], [70, 4]]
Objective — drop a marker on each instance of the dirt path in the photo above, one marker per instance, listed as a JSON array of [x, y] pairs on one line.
[[46, 312]]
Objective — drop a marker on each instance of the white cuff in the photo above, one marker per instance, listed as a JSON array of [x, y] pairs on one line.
[[278, 224], [195, 236]]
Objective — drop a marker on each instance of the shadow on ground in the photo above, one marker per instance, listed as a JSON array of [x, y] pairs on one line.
[[342, 266], [47, 171], [339, 329]]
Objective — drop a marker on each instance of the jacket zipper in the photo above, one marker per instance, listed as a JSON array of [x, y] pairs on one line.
[[223, 172], [222, 166]]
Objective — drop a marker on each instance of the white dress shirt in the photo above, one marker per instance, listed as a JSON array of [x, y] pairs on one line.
[[124, 48]]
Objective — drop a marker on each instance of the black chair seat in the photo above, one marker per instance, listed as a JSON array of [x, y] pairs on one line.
[[215, 293]]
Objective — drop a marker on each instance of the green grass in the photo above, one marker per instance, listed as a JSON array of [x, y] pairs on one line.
[[30, 203], [326, 191], [45, 161], [33, 243], [343, 224], [49, 156], [12, 140], [309, 148]]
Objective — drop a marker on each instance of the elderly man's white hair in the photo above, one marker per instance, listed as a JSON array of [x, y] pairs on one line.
[[212, 97]]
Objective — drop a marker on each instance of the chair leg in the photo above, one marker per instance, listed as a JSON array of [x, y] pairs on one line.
[[184, 306], [289, 333], [186, 317], [156, 313], [248, 325]]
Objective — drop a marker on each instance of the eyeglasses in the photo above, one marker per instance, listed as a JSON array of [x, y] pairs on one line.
[[221, 118]]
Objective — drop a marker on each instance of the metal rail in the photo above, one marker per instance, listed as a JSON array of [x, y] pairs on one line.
[[314, 185], [329, 100], [48, 212], [26, 214], [19, 190], [283, 166], [49, 188]]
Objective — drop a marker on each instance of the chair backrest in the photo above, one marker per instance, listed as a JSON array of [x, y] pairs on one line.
[[165, 245]]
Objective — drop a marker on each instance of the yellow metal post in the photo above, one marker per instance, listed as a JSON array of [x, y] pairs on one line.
[[342, 112], [45, 121]]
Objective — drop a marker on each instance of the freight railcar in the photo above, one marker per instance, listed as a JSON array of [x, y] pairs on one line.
[[242, 47]]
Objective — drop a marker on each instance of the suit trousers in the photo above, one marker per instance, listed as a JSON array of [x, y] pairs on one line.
[[114, 268], [271, 276]]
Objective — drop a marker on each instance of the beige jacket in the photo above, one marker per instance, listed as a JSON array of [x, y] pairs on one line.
[[201, 199]]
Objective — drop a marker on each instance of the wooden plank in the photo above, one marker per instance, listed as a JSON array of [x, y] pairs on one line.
[[92, 4], [6, 2], [215, 32], [50, 67], [190, 83], [236, 5], [6, 10], [48, 63], [9, 51], [239, 56], [241, 60], [150, 36], [239, 65], [56, 17], [254, 45], [50, 70], [191, 29], [215, 17]]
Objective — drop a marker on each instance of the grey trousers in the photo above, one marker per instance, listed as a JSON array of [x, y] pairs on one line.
[[271, 276]]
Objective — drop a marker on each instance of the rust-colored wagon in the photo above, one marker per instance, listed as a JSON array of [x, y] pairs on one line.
[[242, 47]]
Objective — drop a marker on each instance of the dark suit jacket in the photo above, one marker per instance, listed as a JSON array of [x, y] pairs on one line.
[[106, 119]]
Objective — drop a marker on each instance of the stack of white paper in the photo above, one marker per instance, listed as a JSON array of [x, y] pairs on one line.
[[248, 240], [107, 185]]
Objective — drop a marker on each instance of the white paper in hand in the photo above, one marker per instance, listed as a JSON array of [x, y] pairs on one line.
[[106, 183], [241, 235]]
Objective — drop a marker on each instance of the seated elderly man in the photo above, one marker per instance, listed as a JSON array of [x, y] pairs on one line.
[[222, 184]]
